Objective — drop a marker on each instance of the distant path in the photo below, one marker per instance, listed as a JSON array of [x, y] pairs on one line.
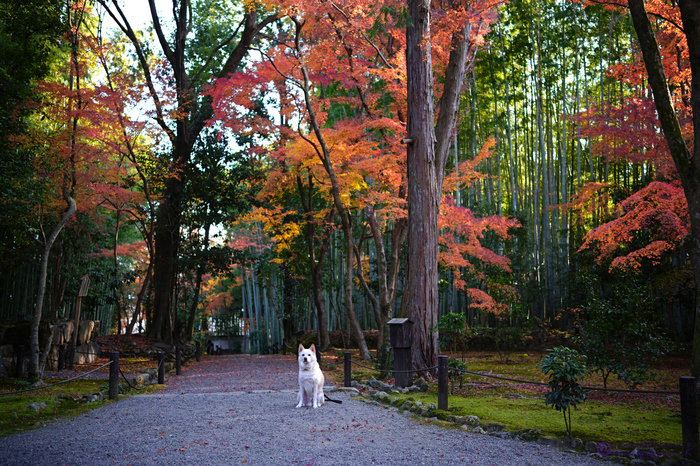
[[228, 410], [230, 373]]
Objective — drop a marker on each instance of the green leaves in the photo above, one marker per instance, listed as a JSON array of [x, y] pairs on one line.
[[621, 333], [565, 367]]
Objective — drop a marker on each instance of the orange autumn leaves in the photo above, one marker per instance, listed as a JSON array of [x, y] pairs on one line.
[[652, 221], [353, 55]]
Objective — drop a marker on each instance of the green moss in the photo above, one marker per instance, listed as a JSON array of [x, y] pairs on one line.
[[594, 421], [440, 414], [62, 401]]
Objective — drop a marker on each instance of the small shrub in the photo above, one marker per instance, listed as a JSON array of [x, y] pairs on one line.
[[504, 339], [621, 332], [22, 385], [454, 372], [507, 339], [566, 368], [453, 332]]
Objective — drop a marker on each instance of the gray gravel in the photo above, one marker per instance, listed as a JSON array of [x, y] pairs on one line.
[[262, 428]]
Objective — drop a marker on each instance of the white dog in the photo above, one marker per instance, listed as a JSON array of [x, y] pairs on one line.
[[310, 378]]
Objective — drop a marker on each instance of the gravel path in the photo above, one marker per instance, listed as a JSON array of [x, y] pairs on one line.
[[240, 410]]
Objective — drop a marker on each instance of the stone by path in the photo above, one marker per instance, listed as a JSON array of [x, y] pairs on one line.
[[230, 410]]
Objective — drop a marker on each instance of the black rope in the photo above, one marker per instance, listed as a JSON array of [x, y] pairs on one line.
[[125, 379], [500, 378], [529, 382], [392, 371], [57, 383]]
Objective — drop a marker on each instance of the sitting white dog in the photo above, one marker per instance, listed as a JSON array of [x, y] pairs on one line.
[[310, 378]]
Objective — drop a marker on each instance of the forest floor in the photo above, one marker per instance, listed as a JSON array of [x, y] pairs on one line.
[[614, 417], [234, 409]]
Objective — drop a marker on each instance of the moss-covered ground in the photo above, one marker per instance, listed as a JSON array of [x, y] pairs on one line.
[[615, 417], [62, 401]]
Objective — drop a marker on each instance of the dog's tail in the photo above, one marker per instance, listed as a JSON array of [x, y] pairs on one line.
[[332, 400]]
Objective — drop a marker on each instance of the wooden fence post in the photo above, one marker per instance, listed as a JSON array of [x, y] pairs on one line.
[[178, 360], [442, 383], [348, 369], [114, 375], [19, 370], [689, 418], [61, 358], [161, 368]]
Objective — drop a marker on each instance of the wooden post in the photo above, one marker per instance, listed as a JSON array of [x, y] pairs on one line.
[[19, 370], [161, 368], [401, 340], [442, 383], [178, 360], [114, 375], [198, 351], [689, 418], [348, 369], [61, 358], [84, 285]]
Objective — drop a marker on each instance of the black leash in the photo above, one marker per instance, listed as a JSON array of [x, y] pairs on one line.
[[332, 400]]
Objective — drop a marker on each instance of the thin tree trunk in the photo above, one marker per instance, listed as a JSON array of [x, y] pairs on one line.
[[316, 263], [35, 370], [189, 329], [324, 155]]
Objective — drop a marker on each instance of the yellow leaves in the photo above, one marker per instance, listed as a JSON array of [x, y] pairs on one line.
[[264, 228]]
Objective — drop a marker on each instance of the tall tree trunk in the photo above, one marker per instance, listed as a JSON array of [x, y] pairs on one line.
[[426, 158], [687, 163], [512, 172], [420, 300]]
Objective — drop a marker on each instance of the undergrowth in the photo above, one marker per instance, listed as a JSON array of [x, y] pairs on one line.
[[615, 418], [62, 401]]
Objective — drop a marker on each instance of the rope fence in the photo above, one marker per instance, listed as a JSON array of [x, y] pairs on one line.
[[687, 388], [57, 383], [114, 373], [509, 379]]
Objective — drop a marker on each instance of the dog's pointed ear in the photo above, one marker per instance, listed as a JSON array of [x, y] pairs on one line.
[[301, 347], [313, 348]]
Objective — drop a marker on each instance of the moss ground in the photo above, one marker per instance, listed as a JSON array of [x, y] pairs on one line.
[[62, 401], [616, 418]]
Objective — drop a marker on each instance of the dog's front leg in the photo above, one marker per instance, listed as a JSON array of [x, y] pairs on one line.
[[301, 397], [316, 405]]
